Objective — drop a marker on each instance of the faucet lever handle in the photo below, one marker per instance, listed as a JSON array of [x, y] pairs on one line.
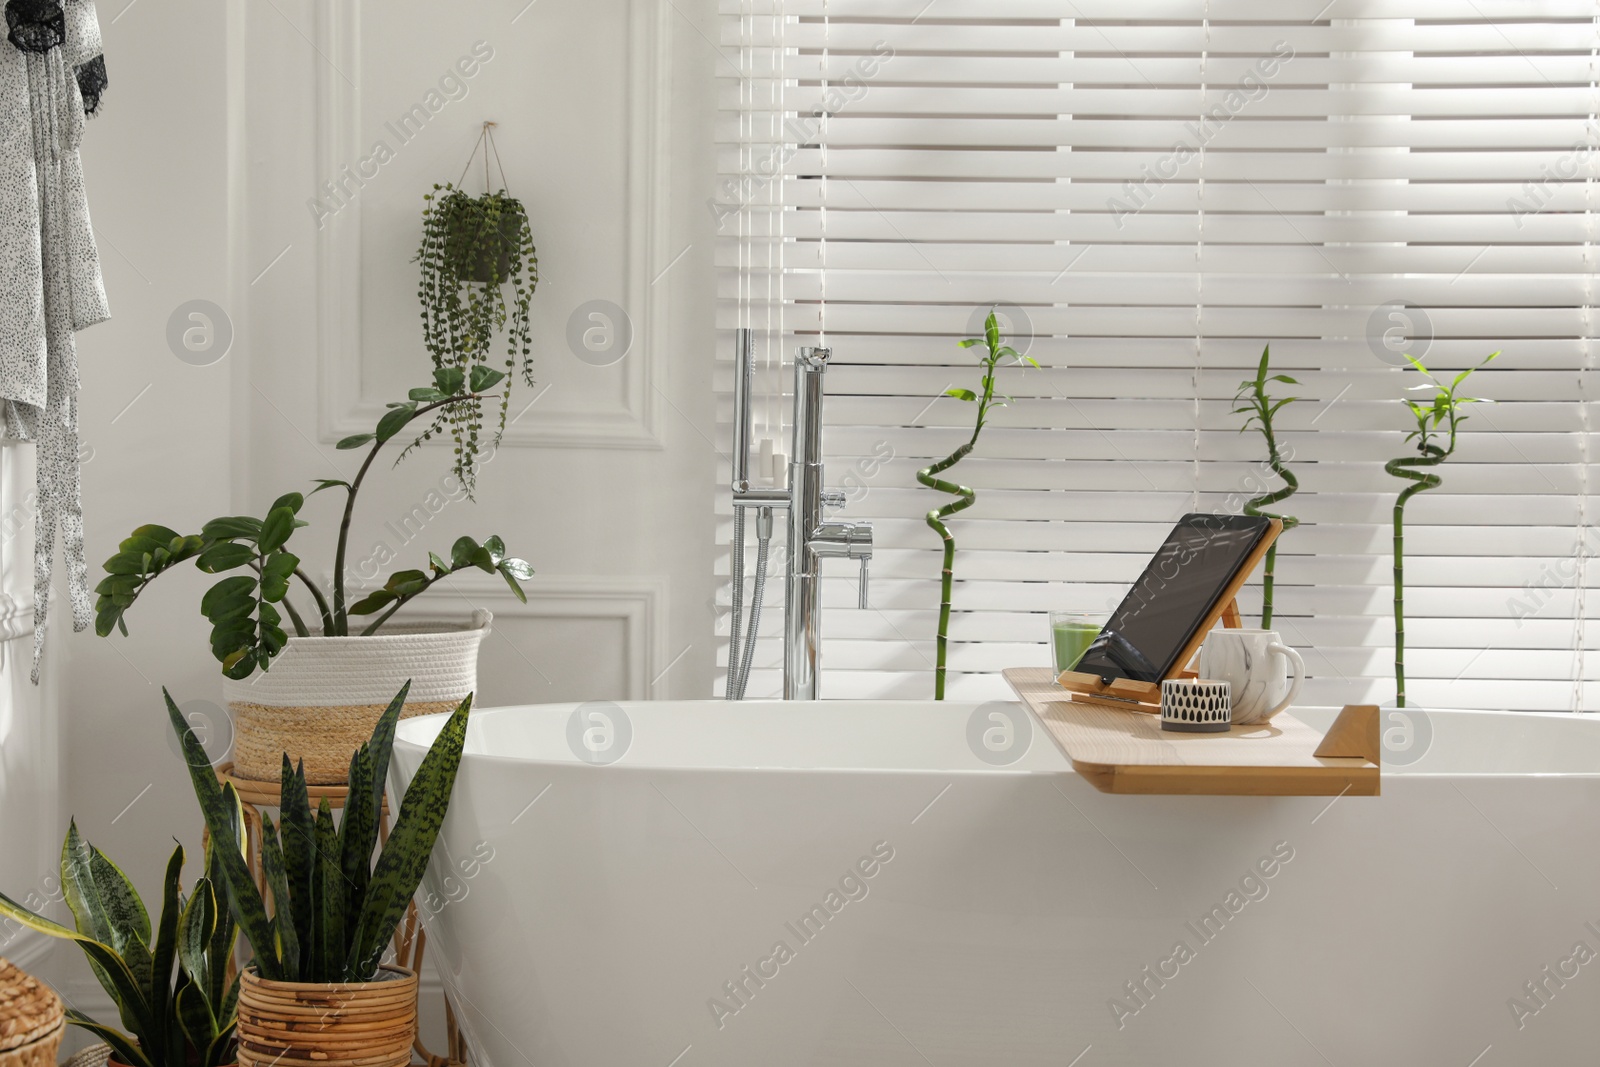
[[862, 586], [833, 498]]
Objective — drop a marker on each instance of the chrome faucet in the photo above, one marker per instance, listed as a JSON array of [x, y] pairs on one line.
[[811, 538]]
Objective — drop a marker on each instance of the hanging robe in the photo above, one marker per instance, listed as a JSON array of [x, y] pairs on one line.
[[52, 73]]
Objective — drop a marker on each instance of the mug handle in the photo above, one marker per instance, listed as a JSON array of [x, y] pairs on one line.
[[1297, 667]]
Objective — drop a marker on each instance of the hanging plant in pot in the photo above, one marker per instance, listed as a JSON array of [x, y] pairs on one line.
[[316, 694], [316, 989], [474, 249]]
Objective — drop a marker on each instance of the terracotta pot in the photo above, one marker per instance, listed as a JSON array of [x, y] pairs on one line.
[[323, 695], [298, 1024]]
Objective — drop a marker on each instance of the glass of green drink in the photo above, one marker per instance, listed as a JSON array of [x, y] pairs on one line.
[[1071, 634]]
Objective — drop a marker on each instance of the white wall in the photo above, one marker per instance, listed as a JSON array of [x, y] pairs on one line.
[[220, 126]]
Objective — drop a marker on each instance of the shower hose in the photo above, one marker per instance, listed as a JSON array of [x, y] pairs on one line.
[[740, 653]]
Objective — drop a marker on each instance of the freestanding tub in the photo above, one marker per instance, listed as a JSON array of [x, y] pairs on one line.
[[871, 884]]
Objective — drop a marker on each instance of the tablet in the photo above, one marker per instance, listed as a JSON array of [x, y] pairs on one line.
[[1173, 598]]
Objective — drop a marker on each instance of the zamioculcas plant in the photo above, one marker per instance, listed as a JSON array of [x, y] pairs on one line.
[[170, 983], [965, 497], [334, 910], [1260, 408], [246, 626], [1443, 409]]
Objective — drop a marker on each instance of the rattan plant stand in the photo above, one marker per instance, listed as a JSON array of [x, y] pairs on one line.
[[409, 940]]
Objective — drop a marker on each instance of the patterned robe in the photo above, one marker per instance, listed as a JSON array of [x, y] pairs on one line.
[[51, 76]]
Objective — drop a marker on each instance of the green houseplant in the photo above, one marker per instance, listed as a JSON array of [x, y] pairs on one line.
[[1443, 409], [334, 909], [335, 678], [170, 982], [994, 352], [1259, 408], [472, 250]]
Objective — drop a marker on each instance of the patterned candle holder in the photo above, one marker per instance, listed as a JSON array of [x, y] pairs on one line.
[[1196, 705]]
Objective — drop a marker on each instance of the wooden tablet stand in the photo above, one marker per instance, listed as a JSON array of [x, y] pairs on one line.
[[1130, 695]]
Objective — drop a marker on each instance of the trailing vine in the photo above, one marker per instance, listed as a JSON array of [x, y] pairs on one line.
[[472, 250], [1443, 409], [1260, 408], [965, 496]]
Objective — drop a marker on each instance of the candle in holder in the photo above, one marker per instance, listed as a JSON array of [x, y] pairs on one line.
[[1071, 634]]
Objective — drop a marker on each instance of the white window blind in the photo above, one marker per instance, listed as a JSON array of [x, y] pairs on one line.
[[1152, 192]]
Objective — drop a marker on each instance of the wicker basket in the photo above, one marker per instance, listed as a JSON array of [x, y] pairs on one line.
[[31, 1019], [298, 1024], [323, 695]]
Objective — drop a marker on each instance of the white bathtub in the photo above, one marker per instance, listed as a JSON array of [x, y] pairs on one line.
[[606, 915]]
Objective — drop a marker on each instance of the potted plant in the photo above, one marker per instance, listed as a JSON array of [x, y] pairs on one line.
[[317, 694], [170, 982], [316, 988], [472, 250], [1442, 410], [995, 351]]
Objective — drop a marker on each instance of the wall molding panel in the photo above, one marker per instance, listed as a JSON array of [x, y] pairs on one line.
[[634, 422]]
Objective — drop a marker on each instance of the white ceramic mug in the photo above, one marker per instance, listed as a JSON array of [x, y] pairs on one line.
[[1264, 673]]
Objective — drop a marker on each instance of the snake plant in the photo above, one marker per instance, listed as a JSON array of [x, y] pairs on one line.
[[1442, 409], [334, 910], [246, 626], [175, 998], [1259, 407], [965, 497]]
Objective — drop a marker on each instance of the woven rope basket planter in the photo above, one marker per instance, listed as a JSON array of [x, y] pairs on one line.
[[299, 1024], [323, 695], [32, 1020]]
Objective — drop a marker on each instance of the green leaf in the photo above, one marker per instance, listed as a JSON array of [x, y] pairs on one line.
[[355, 440], [276, 571], [219, 806], [329, 483], [395, 419], [961, 394], [272, 868], [224, 556], [293, 501], [373, 601], [196, 927], [231, 527], [328, 890], [969, 342], [497, 549], [126, 1048], [407, 582], [165, 536], [461, 552], [427, 394], [405, 856], [516, 568], [439, 566], [128, 563], [298, 833], [381, 744], [485, 378], [195, 1018], [512, 582], [276, 528], [358, 832], [81, 893], [166, 943]]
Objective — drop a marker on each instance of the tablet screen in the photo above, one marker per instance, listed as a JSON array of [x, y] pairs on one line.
[[1172, 598]]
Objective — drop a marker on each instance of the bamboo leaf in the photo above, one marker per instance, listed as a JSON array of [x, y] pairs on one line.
[[405, 856]]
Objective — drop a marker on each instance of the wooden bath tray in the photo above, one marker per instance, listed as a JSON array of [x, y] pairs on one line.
[[1128, 752]]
